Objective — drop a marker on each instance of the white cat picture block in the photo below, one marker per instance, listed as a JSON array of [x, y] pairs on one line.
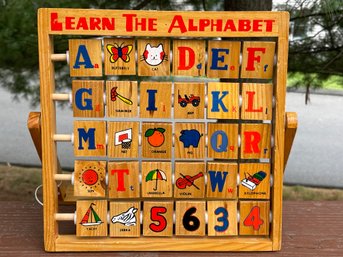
[[153, 57]]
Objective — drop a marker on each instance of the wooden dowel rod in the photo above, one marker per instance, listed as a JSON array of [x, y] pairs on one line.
[[60, 97], [64, 216], [59, 57], [64, 177], [62, 137]]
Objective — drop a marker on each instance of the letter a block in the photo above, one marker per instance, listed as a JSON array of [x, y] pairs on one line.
[[257, 101], [258, 60], [89, 138], [123, 180], [89, 178], [223, 59], [256, 141], [254, 218], [91, 218], [85, 58], [223, 100], [88, 98], [158, 218], [125, 219], [189, 58]]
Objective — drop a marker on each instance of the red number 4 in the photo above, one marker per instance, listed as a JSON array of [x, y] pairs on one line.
[[253, 219]]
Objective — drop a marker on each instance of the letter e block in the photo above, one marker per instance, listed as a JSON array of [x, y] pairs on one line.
[[125, 219], [85, 58], [254, 218], [158, 219], [189, 58], [88, 98], [189, 140], [258, 60]]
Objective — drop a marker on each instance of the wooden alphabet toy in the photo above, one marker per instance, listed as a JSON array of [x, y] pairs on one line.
[[192, 165]]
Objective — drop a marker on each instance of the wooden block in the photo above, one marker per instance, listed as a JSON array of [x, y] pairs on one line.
[[121, 98], [222, 180], [153, 57], [223, 59], [123, 139], [85, 58], [254, 218], [189, 58], [222, 141], [157, 140], [222, 218], [257, 101], [189, 100], [89, 178], [189, 180], [158, 219], [125, 219], [190, 218], [155, 100], [255, 141], [157, 179], [88, 98], [189, 140], [91, 218], [255, 181], [89, 138], [223, 100], [119, 56], [258, 60], [123, 179]]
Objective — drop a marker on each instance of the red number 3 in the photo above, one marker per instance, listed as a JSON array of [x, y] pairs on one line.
[[253, 219], [155, 215]]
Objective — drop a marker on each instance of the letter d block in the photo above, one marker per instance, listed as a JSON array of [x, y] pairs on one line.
[[88, 98], [85, 58], [89, 138]]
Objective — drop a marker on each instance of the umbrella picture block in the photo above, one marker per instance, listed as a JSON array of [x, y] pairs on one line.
[[156, 175]]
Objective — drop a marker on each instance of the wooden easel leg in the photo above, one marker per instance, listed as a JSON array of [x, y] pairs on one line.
[[291, 125]]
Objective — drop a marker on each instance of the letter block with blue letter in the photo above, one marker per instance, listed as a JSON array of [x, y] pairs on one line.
[[88, 98], [85, 58]]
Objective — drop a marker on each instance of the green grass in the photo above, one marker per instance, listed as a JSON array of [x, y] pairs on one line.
[[332, 83]]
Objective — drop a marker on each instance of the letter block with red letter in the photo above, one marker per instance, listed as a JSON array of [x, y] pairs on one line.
[[189, 57], [123, 179], [258, 60], [158, 218]]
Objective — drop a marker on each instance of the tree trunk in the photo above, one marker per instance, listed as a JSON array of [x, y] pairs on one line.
[[248, 5]]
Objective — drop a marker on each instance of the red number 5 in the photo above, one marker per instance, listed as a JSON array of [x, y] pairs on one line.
[[155, 215]]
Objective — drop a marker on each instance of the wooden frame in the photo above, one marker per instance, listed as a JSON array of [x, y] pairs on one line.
[[47, 17]]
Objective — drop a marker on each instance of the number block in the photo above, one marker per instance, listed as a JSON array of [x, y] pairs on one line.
[[155, 100], [89, 178], [222, 218], [89, 138], [190, 100], [119, 56], [123, 179], [153, 57], [189, 58], [157, 179], [125, 219], [254, 218], [189, 140], [189, 180], [258, 60], [255, 180], [157, 140], [222, 141], [256, 141], [123, 139], [223, 100], [158, 219], [223, 59], [85, 58], [88, 98], [190, 218], [91, 218], [257, 101], [222, 180], [121, 98]]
